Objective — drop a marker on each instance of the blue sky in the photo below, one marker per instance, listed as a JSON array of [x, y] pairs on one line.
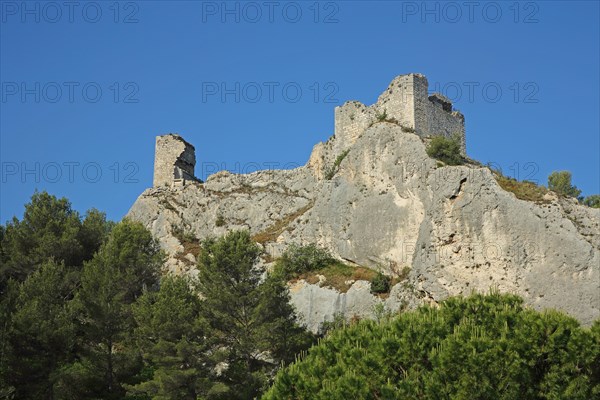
[[87, 86]]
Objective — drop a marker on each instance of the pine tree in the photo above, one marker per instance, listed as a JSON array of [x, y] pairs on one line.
[[94, 231], [41, 257], [41, 334], [8, 304], [125, 265], [282, 334], [228, 281], [252, 322], [173, 340], [49, 229]]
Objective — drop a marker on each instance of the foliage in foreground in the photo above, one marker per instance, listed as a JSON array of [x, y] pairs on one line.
[[50, 229], [172, 338], [41, 262], [252, 323], [84, 314], [481, 347]]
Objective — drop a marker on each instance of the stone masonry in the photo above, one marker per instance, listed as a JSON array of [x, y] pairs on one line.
[[174, 161], [406, 101]]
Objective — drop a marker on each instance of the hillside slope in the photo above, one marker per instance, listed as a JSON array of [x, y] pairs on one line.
[[387, 205]]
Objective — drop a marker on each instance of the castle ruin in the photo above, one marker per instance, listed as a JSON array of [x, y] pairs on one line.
[[406, 102], [174, 161]]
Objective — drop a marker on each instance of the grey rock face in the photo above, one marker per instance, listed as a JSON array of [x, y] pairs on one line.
[[390, 207]]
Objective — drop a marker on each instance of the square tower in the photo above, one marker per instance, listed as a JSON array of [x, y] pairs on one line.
[[407, 101], [174, 161]]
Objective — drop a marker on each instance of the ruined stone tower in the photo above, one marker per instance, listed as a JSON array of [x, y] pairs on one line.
[[174, 161], [407, 102]]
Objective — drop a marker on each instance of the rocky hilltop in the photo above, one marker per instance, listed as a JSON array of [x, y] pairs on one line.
[[374, 198]]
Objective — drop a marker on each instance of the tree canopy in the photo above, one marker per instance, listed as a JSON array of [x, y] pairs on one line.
[[50, 229], [480, 347], [85, 313], [250, 317]]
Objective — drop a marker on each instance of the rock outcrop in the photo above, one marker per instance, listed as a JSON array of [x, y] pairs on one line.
[[376, 199]]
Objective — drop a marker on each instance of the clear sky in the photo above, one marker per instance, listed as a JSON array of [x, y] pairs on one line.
[[86, 86]]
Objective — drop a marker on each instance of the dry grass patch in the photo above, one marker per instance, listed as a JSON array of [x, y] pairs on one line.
[[191, 247], [272, 232], [523, 190], [191, 244], [337, 274]]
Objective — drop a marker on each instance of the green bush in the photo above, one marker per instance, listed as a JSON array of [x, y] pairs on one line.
[[592, 201], [380, 283], [480, 347], [560, 182], [446, 149], [300, 259]]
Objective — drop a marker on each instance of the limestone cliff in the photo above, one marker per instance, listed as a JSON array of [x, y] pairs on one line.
[[374, 198]]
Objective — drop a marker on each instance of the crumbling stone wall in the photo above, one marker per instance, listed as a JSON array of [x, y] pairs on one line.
[[174, 161], [400, 99], [406, 101], [351, 120], [442, 120]]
